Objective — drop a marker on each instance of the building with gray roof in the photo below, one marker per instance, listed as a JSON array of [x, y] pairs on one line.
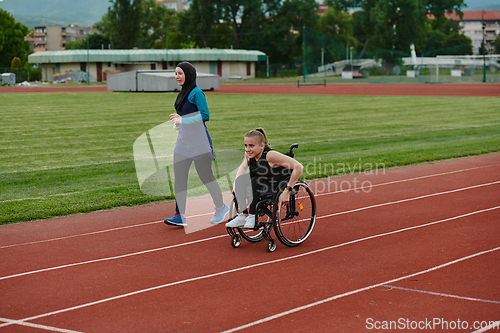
[[100, 63]]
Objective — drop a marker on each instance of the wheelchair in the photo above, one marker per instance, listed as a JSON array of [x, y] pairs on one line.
[[292, 222]]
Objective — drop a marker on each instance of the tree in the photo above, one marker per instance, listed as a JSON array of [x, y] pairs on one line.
[[338, 25], [443, 37], [12, 43], [265, 25], [496, 44], [244, 17], [482, 50], [156, 22], [275, 36], [201, 22], [138, 23], [123, 23], [15, 65], [392, 26], [96, 41]]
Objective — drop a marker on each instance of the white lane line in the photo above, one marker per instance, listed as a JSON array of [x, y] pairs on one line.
[[42, 327], [321, 194], [215, 237], [94, 232], [67, 193], [80, 235], [66, 166], [443, 295], [109, 258], [249, 267], [403, 180], [409, 199], [326, 300]]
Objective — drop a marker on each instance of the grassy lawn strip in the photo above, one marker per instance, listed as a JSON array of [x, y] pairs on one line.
[[65, 153]]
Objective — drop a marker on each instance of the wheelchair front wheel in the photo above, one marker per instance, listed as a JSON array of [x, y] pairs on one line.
[[236, 241], [249, 235], [271, 245], [295, 220]]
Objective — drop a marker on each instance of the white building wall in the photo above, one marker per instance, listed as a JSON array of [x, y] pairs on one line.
[[228, 68]]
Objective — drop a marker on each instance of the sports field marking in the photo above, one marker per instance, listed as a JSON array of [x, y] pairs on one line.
[[66, 194], [400, 133], [326, 300], [95, 232], [203, 214], [302, 142], [111, 258], [65, 166], [80, 235], [494, 325], [409, 199], [443, 295], [253, 266], [244, 267], [42, 327]]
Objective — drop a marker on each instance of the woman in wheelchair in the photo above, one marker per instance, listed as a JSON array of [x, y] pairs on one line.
[[268, 169]]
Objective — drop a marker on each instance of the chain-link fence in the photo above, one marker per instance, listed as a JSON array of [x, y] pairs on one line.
[[23, 74], [325, 60]]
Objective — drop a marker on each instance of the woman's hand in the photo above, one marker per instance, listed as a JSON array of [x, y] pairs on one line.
[[176, 119], [285, 197]]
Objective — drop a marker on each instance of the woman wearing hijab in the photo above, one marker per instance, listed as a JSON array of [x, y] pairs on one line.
[[193, 144]]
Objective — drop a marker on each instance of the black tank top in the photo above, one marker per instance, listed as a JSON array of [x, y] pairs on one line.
[[261, 168]]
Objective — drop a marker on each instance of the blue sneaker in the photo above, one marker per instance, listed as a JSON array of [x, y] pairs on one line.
[[177, 219], [220, 214]]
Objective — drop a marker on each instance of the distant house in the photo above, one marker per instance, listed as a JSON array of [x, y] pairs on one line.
[[224, 63], [53, 38], [178, 5], [31, 40], [472, 27]]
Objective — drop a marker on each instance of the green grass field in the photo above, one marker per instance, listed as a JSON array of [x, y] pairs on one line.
[[65, 153]]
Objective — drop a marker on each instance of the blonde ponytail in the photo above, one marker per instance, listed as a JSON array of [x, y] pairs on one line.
[[261, 134]]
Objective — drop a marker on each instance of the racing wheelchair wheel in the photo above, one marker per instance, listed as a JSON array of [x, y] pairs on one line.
[[295, 220], [249, 235]]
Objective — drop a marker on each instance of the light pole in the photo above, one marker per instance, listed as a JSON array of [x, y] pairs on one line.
[[484, 51], [88, 57], [323, 60], [304, 53], [166, 49]]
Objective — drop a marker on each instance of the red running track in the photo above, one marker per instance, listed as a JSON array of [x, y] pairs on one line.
[[385, 89], [415, 247]]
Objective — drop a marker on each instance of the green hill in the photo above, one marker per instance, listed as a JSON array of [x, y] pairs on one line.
[[56, 12]]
